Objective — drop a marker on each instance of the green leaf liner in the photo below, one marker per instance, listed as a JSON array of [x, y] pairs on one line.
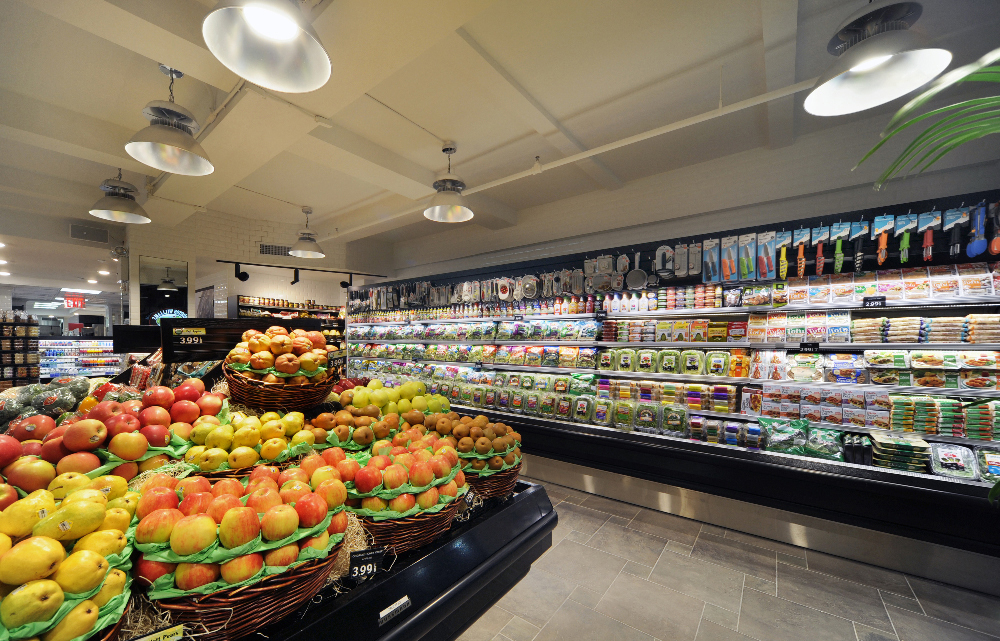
[[473, 454], [385, 515], [215, 553], [405, 488], [163, 587], [242, 367], [488, 472]]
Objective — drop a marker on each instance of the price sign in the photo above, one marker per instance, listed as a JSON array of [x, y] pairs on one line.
[[873, 301], [518, 317], [166, 634], [365, 563], [808, 348], [601, 315]]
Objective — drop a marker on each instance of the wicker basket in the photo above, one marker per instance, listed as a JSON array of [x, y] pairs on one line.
[[237, 612], [402, 535], [494, 485], [112, 632], [271, 396], [240, 472]]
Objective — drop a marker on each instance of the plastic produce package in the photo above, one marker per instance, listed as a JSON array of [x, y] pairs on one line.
[[954, 461]]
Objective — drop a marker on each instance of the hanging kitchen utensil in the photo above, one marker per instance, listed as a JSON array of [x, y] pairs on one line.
[[602, 282], [664, 261], [590, 266], [904, 248], [977, 244], [567, 281], [726, 274], [838, 256], [859, 254], [731, 262], [618, 282], [588, 285], [800, 261], [652, 279], [636, 278], [518, 290], [621, 265], [928, 245], [605, 264], [529, 285], [994, 215], [504, 289], [476, 291], [883, 247], [576, 281]]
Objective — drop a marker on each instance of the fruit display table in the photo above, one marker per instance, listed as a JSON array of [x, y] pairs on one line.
[[440, 589]]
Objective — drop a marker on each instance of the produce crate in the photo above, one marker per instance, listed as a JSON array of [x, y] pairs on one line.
[[272, 396]]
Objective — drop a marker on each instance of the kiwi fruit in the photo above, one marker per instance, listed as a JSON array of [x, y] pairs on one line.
[[495, 463], [499, 445], [490, 433], [466, 445], [483, 445], [479, 464], [443, 426], [499, 429], [509, 459], [476, 433], [461, 431], [363, 436]]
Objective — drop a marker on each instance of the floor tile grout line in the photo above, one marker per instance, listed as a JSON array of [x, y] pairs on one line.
[[889, 616], [704, 606], [620, 572], [958, 625], [854, 626], [814, 609], [739, 610], [914, 592]]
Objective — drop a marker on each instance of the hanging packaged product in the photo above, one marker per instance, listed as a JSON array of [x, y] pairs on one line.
[[729, 251], [765, 255], [782, 243], [904, 225], [859, 232], [681, 260], [955, 220], [800, 240], [711, 270], [748, 257], [694, 259], [881, 227]]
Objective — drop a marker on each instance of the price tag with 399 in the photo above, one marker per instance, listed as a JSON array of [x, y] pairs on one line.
[[365, 563]]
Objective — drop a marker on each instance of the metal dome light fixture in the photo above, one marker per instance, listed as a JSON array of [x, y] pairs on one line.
[[268, 42], [879, 59], [168, 142], [167, 284], [118, 204], [306, 246], [448, 205]]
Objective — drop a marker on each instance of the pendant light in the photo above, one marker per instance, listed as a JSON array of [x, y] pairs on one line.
[[167, 143], [447, 205], [118, 204], [268, 42], [306, 246], [878, 60], [167, 284]]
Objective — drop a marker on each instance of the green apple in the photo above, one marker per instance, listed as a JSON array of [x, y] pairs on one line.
[[374, 384], [390, 408], [379, 398], [419, 403], [434, 405], [421, 388], [403, 406], [392, 393], [407, 390], [361, 397]]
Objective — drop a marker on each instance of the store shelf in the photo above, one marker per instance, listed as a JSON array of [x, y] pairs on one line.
[[405, 360], [526, 317], [826, 347], [426, 341]]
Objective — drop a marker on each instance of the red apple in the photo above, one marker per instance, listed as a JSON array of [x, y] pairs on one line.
[[157, 526], [312, 509], [291, 491], [449, 453], [105, 410], [154, 415], [195, 503], [269, 471], [440, 466], [210, 404], [258, 483], [32, 428], [394, 476], [333, 455], [132, 407], [283, 556], [59, 431], [406, 460], [197, 383], [239, 526], [311, 463], [29, 473], [82, 462], [8, 496], [322, 474], [159, 480], [189, 576], [120, 423], [338, 523], [154, 462], [421, 474], [263, 499], [402, 503], [334, 492], [367, 479], [380, 462], [222, 504], [292, 474], [182, 430], [157, 434], [207, 419], [448, 489], [186, 392], [127, 471], [156, 498], [53, 450], [193, 534], [158, 396], [279, 522], [128, 446], [242, 568], [397, 450], [348, 469], [428, 498], [184, 412], [227, 486], [374, 503], [193, 484], [148, 571], [32, 448]]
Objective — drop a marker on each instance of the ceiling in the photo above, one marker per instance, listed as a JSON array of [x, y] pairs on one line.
[[509, 81]]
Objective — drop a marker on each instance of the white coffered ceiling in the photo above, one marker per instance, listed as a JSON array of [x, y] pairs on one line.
[[508, 80]]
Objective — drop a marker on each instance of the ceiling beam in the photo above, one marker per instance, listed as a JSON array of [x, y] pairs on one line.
[[491, 213], [342, 150], [780, 22], [495, 79]]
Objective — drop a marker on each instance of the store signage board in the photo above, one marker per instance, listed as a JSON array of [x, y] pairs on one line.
[[873, 301], [185, 340], [166, 634], [74, 302], [365, 563]]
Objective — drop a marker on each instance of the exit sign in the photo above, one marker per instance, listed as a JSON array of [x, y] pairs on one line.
[[74, 301]]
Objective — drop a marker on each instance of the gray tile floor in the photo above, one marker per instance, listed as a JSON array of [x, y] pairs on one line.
[[617, 571]]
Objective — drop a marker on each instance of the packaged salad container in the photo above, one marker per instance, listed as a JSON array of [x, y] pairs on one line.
[[668, 361], [623, 415], [603, 411], [564, 407], [583, 408], [647, 417]]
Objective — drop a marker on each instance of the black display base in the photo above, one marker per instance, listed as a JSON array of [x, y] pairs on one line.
[[918, 506], [441, 588]]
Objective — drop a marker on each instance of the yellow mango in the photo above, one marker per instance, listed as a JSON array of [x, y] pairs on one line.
[[31, 559], [78, 621], [71, 521], [113, 486], [116, 518], [82, 571], [114, 584], [104, 542], [33, 601], [85, 494], [19, 517], [63, 484]]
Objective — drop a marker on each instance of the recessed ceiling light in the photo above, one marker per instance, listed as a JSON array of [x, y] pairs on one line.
[[4, 273], [51, 316], [91, 281], [59, 298], [2, 245], [104, 272], [3, 262]]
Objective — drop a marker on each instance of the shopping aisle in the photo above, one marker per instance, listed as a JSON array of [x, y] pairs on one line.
[[617, 571]]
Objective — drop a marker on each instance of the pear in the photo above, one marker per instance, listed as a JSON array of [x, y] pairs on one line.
[[31, 559], [201, 432], [213, 458], [71, 521], [81, 572], [269, 416], [19, 517], [33, 601], [114, 585], [77, 622], [220, 437], [66, 483], [104, 542], [246, 437], [192, 454]]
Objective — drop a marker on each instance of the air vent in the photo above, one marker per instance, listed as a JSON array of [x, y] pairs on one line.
[[274, 250], [89, 234]]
